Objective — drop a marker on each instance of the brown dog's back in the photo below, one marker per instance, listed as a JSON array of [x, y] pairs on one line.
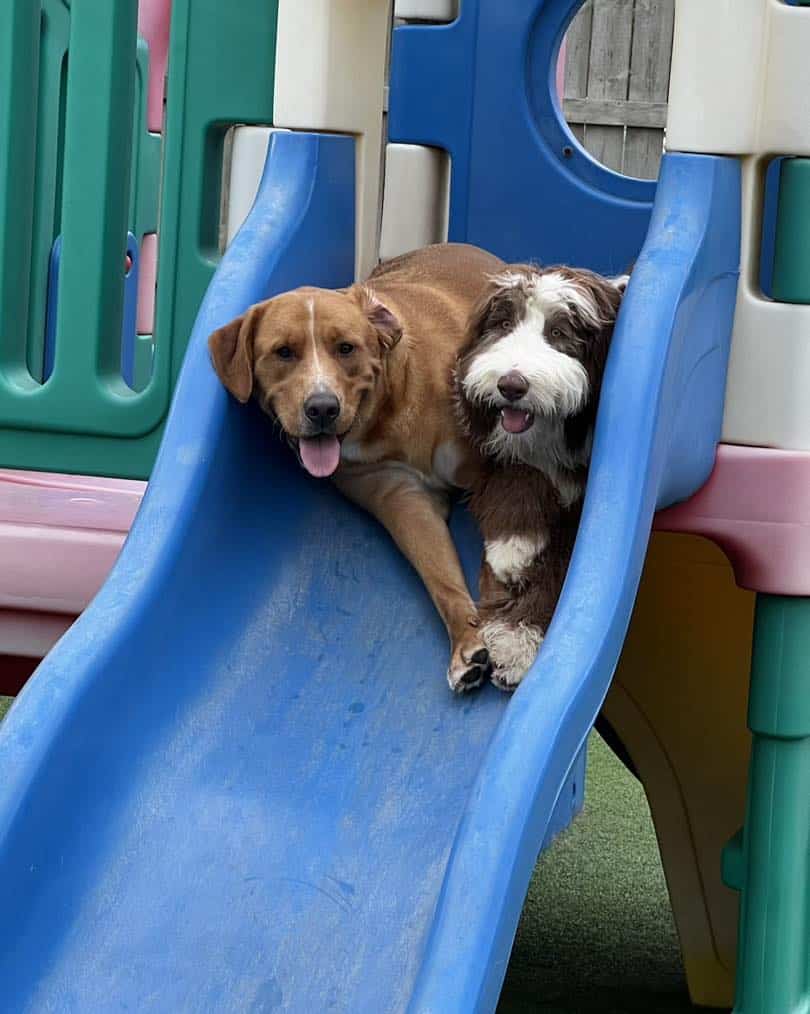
[[434, 287]]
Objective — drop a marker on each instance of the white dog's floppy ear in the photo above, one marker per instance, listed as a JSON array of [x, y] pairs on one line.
[[231, 349], [386, 324]]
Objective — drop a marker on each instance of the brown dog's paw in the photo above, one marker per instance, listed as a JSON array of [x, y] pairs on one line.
[[512, 651], [469, 664]]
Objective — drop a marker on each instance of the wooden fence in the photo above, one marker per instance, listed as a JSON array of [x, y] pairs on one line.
[[617, 60]]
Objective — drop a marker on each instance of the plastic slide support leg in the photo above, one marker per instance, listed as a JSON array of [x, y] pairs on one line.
[[773, 968]]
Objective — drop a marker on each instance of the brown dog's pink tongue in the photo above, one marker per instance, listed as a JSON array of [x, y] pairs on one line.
[[320, 455], [515, 420]]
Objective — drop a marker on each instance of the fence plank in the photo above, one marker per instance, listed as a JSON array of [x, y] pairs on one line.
[[578, 53], [649, 81], [614, 112], [608, 73]]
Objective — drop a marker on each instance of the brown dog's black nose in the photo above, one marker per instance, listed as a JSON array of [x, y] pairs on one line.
[[322, 408], [513, 385]]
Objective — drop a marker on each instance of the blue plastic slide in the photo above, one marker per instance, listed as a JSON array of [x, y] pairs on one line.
[[240, 782]]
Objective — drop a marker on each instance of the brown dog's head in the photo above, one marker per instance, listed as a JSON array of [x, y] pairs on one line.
[[312, 358], [528, 379]]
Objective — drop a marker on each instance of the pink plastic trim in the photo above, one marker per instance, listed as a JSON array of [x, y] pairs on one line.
[[756, 507], [59, 537], [154, 19], [147, 273]]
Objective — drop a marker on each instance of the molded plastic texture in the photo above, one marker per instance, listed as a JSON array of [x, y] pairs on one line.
[[416, 198], [756, 507], [330, 76], [748, 98], [773, 970], [86, 420], [769, 369], [791, 269], [154, 17], [248, 159], [59, 537], [130, 275], [484, 88], [249, 728]]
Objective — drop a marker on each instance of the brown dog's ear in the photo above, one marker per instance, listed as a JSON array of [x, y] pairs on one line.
[[380, 317], [231, 349]]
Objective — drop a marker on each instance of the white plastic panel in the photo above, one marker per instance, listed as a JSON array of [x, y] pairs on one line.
[[767, 403], [426, 10], [740, 78], [415, 198], [784, 126], [248, 154], [330, 76]]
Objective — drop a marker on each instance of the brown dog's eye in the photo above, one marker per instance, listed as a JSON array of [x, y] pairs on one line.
[[556, 332], [345, 348], [284, 352]]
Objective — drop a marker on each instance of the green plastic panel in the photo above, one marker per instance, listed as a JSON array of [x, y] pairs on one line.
[[50, 136], [779, 702], [791, 264], [222, 61], [83, 166], [773, 870], [732, 864], [19, 66]]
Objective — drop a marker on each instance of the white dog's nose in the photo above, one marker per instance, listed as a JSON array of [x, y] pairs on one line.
[[513, 385]]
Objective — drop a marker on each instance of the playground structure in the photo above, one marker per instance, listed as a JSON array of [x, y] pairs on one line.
[[177, 703]]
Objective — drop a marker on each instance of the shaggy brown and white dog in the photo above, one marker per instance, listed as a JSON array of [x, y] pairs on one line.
[[527, 384]]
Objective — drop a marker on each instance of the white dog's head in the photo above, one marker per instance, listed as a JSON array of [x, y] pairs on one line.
[[529, 376]]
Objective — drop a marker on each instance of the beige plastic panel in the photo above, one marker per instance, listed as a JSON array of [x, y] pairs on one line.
[[248, 153], [330, 76], [426, 10], [767, 401], [678, 703], [740, 78], [415, 199]]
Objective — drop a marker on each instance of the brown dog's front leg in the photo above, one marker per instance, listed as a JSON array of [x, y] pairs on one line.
[[416, 517]]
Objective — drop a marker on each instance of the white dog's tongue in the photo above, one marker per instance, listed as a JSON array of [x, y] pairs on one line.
[[320, 455], [515, 420]]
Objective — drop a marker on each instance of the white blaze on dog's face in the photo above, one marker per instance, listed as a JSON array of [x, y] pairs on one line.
[[312, 358], [529, 376]]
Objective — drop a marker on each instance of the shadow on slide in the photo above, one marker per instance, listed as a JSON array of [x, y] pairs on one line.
[[240, 781]]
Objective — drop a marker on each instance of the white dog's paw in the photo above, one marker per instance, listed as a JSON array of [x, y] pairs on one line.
[[512, 650]]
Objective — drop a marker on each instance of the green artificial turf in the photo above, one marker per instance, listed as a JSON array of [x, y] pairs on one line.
[[596, 933]]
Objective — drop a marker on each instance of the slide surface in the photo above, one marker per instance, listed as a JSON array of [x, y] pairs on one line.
[[240, 781]]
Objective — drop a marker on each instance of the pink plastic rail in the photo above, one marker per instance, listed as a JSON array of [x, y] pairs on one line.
[[756, 507], [59, 537]]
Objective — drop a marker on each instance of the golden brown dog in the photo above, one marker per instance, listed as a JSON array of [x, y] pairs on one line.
[[360, 381]]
